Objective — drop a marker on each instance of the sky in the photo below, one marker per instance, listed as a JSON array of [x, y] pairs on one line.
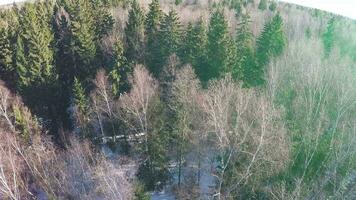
[[342, 7]]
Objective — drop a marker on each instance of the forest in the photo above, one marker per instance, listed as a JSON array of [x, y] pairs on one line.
[[176, 99]]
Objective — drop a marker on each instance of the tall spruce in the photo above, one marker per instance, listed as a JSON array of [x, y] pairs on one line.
[[270, 44], [246, 61], [169, 38], [262, 5], [79, 97], [152, 26], [37, 57], [34, 62], [134, 33], [79, 21], [119, 70], [221, 50], [194, 47], [329, 37], [6, 51]]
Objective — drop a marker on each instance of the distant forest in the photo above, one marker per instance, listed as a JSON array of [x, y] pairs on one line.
[[201, 99]]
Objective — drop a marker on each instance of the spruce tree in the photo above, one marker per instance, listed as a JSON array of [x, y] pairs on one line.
[[246, 62], [194, 47], [134, 33], [221, 50], [83, 37], [169, 38], [273, 6], [34, 62], [34, 55], [329, 37], [152, 26], [270, 44], [102, 19], [6, 52], [79, 97], [262, 5], [119, 71]]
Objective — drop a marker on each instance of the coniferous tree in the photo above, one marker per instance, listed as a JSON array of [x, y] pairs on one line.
[[194, 47], [246, 62], [221, 50], [329, 37], [81, 103], [36, 61], [152, 26], [119, 71], [103, 20], [83, 37], [262, 5], [134, 33], [273, 6], [6, 52], [79, 97], [270, 44], [169, 38]]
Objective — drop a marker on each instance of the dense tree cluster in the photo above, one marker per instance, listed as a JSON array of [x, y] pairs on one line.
[[181, 102]]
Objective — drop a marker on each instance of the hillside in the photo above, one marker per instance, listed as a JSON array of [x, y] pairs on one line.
[[176, 99]]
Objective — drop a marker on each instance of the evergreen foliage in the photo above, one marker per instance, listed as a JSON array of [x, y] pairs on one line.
[[152, 26], [329, 37], [119, 71], [134, 33], [221, 50], [194, 48], [246, 61], [169, 38], [273, 6], [35, 53], [262, 5], [6, 51], [79, 97], [270, 44]]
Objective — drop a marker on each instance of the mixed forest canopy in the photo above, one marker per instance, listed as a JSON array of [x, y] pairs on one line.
[[202, 99]]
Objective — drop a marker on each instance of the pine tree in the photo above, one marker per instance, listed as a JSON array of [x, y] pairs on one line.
[[134, 33], [152, 26], [194, 48], [246, 62], [270, 44], [262, 5], [329, 37], [169, 38], [221, 50]]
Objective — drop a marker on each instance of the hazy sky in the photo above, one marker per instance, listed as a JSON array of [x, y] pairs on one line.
[[342, 7]]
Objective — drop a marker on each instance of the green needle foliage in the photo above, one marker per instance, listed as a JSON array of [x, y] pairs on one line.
[[246, 68], [271, 43], [134, 33], [169, 38], [194, 48], [329, 37], [6, 51], [221, 50], [152, 26]]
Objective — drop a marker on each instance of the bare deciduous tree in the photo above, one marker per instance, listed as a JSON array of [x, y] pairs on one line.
[[246, 126]]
